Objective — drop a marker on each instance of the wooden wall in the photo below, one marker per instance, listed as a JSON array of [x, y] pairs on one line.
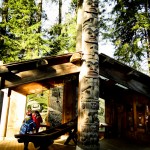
[[70, 100], [128, 116]]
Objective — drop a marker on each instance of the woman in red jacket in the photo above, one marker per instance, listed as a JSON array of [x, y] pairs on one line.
[[37, 119]]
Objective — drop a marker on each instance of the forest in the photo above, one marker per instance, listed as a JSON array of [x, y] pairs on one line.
[[24, 34]]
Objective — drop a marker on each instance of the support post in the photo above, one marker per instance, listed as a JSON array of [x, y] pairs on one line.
[[88, 102], [4, 114]]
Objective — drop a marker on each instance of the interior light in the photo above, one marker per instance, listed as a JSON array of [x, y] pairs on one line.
[[120, 85], [103, 78]]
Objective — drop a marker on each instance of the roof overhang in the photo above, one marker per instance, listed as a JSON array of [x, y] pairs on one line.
[[17, 74]]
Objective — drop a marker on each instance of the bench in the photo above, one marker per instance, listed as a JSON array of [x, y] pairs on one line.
[[45, 138]]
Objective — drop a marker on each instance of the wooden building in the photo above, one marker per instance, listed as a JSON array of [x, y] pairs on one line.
[[126, 94]]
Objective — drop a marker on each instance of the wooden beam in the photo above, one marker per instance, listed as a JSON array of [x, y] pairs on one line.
[[122, 78], [41, 74], [3, 69], [34, 64]]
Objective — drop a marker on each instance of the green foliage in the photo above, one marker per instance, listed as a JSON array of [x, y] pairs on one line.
[[129, 30], [64, 41], [22, 40], [41, 97], [73, 5]]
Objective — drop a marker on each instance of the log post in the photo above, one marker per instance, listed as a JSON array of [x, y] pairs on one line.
[[4, 113], [88, 103]]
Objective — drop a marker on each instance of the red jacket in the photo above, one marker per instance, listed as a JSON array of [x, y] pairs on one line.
[[37, 119]]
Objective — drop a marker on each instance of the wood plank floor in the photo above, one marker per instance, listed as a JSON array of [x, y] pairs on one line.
[[12, 144], [105, 144]]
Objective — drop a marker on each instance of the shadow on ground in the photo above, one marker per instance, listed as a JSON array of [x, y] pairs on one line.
[[121, 144], [105, 144]]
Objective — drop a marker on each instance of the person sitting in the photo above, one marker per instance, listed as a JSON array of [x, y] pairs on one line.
[[28, 125], [37, 119]]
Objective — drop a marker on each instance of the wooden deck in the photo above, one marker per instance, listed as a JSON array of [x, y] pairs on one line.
[[12, 144], [105, 144]]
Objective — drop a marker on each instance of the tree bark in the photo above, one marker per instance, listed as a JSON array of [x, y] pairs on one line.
[[39, 14], [4, 20], [147, 7], [79, 26]]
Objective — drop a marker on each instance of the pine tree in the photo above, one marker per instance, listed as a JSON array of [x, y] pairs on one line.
[[62, 35], [24, 37], [130, 30], [22, 40]]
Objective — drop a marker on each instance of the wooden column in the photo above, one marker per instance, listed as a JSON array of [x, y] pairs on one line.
[[69, 101], [88, 103], [135, 114], [4, 114]]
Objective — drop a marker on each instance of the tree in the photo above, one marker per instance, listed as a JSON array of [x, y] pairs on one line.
[[130, 32], [79, 26], [24, 36], [62, 35], [22, 40], [39, 14], [4, 16]]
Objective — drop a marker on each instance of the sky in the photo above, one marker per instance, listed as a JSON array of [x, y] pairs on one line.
[[52, 14], [107, 49], [52, 11]]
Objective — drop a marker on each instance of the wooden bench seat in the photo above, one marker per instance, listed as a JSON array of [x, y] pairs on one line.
[[45, 138]]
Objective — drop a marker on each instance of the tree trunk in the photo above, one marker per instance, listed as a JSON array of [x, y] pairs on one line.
[[39, 14], [60, 15], [79, 26], [147, 7], [60, 11], [4, 20]]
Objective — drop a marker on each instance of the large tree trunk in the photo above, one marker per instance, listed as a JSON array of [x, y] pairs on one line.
[[4, 20], [88, 103], [60, 15], [60, 12], [147, 7], [148, 53], [79, 26], [39, 14], [4, 15], [39, 19]]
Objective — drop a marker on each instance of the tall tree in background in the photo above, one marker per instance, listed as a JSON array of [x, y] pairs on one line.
[[62, 35], [22, 40], [4, 16], [39, 14], [79, 25], [23, 36], [131, 30]]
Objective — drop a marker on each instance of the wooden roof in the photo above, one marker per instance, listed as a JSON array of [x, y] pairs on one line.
[[30, 74]]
